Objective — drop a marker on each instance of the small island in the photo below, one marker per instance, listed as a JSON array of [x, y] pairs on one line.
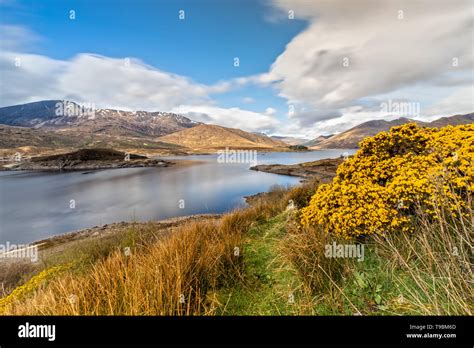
[[86, 159]]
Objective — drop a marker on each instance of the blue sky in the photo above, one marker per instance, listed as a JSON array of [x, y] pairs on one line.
[[202, 46], [187, 65]]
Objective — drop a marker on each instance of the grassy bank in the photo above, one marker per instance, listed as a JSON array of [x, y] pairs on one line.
[[143, 272]]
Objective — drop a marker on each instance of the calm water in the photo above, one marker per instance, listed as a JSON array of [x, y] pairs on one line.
[[36, 205]]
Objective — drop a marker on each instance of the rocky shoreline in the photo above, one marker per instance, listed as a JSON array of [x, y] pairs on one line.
[[55, 246], [91, 165], [324, 169], [115, 227]]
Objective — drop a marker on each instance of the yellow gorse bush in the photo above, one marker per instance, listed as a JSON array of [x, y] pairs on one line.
[[31, 285], [378, 189]]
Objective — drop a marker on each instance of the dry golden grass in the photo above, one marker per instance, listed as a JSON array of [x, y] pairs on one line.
[[14, 273], [171, 276]]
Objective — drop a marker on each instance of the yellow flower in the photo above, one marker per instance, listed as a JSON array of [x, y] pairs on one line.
[[375, 191], [31, 285]]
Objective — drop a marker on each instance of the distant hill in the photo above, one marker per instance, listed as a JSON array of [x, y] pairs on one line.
[[209, 137], [351, 138], [290, 140], [317, 140], [453, 120], [61, 116]]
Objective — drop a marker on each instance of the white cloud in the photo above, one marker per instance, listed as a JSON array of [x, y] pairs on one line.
[[384, 53], [248, 100], [270, 111], [27, 78], [459, 102], [105, 81], [231, 117]]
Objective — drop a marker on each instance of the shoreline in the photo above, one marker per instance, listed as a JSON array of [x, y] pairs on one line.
[[99, 165], [101, 230], [57, 243], [85, 159]]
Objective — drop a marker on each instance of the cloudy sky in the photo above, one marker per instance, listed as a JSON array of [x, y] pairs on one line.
[[287, 67]]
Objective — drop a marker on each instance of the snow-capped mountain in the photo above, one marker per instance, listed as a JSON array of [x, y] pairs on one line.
[[66, 116]]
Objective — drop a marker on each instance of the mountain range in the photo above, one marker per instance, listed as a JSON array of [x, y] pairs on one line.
[[69, 116], [351, 137], [50, 125], [290, 140]]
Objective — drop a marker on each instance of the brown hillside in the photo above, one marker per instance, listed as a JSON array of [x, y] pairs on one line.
[[207, 137]]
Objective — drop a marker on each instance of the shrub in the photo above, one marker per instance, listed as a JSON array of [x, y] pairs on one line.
[[377, 190], [31, 286]]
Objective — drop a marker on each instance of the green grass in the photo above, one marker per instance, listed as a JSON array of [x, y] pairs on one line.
[[270, 286], [367, 287]]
